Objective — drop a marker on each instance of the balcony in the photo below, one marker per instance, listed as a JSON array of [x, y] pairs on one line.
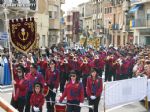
[[115, 27], [127, 28], [14, 1], [54, 2], [54, 24], [33, 4], [18, 4], [140, 23], [134, 2]]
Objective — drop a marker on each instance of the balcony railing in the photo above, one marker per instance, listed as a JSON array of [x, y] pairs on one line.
[[14, 1], [133, 2], [54, 24], [140, 23], [33, 4], [54, 2], [115, 27], [16, 4]]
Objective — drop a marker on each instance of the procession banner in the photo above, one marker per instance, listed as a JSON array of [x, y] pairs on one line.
[[125, 91], [22, 34]]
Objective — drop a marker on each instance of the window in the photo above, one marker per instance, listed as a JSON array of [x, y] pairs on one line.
[[110, 9], [105, 10], [50, 14], [43, 40], [124, 40], [14, 1], [148, 16], [82, 12], [69, 28], [55, 15], [68, 18], [118, 40]]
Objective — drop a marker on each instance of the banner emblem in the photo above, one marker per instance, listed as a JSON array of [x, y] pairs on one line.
[[22, 34]]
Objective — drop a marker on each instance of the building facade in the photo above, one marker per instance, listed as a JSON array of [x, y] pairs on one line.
[[140, 22], [119, 27], [54, 12], [86, 15], [97, 13], [72, 26], [108, 20], [42, 20]]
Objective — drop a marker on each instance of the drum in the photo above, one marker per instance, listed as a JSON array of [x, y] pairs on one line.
[[60, 107]]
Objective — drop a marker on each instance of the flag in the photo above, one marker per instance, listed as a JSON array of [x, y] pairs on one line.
[[23, 34]]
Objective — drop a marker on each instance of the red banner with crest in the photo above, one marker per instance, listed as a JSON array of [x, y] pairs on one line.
[[23, 34]]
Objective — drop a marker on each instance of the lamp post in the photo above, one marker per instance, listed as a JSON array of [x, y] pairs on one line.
[[96, 14]]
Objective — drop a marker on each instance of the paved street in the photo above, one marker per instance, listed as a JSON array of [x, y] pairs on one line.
[[134, 107]]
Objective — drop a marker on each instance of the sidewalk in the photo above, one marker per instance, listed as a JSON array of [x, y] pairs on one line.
[[134, 107]]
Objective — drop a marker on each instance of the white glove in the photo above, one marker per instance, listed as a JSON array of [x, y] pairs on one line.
[[93, 97], [36, 109], [54, 90], [81, 104]]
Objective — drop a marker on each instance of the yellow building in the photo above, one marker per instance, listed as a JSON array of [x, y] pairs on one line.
[[48, 22], [55, 15], [42, 19]]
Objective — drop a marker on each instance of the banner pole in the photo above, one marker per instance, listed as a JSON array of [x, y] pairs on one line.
[[104, 98], [10, 52]]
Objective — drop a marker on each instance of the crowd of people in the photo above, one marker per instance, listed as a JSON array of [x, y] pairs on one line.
[[76, 73]]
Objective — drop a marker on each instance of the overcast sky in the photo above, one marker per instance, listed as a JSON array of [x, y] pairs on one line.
[[69, 4]]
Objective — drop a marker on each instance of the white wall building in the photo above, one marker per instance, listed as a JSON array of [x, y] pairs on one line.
[[86, 14], [141, 21]]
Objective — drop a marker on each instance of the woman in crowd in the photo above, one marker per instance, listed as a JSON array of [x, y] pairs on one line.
[[52, 81], [18, 97], [74, 92], [94, 89]]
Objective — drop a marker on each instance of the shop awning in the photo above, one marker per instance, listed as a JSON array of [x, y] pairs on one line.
[[134, 8]]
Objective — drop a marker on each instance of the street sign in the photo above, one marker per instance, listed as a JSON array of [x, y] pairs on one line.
[[4, 36]]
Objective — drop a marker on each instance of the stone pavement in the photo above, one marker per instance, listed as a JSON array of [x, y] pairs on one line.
[[134, 107]]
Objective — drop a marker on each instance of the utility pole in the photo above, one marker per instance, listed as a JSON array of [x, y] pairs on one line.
[[59, 21]]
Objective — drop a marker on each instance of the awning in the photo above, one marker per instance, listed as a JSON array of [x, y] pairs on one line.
[[135, 8]]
